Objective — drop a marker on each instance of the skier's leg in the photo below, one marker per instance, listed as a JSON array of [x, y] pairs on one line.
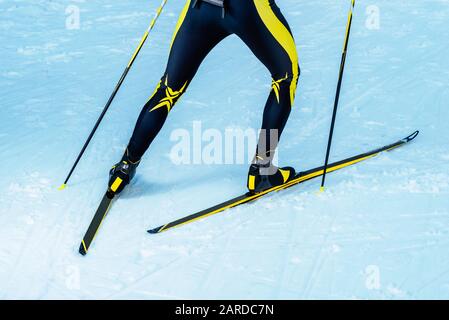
[[266, 32], [268, 35], [198, 31], [195, 36]]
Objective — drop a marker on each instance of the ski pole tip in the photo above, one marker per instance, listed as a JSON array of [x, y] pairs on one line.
[[322, 189], [62, 187]]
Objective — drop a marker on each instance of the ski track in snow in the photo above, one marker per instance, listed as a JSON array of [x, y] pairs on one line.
[[381, 231]]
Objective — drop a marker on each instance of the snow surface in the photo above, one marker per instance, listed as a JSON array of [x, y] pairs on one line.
[[381, 231]]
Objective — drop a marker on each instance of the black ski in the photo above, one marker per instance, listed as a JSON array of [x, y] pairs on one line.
[[300, 178], [101, 213]]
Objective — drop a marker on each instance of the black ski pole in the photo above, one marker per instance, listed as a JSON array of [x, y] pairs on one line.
[[337, 95], [114, 93]]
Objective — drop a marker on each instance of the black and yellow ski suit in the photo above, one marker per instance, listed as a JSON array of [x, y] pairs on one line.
[[201, 26]]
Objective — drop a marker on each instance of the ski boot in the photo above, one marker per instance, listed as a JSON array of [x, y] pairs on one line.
[[266, 176], [121, 174]]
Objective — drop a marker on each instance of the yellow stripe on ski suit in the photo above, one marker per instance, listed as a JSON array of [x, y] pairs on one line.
[[283, 36], [180, 21]]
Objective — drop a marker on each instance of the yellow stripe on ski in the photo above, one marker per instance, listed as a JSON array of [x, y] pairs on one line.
[[274, 189]]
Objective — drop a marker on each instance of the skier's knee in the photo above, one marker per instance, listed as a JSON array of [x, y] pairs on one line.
[[287, 75], [285, 83], [165, 96]]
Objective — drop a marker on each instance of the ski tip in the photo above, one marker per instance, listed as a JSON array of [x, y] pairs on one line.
[[412, 136], [83, 249], [62, 187], [155, 231]]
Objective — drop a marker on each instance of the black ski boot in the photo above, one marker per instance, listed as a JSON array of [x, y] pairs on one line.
[[266, 176], [121, 174]]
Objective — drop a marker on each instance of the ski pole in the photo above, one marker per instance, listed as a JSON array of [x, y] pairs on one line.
[[116, 89], [337, 95]]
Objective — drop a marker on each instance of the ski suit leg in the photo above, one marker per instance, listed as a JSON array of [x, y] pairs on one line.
[[198, 31], [268, 35]]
